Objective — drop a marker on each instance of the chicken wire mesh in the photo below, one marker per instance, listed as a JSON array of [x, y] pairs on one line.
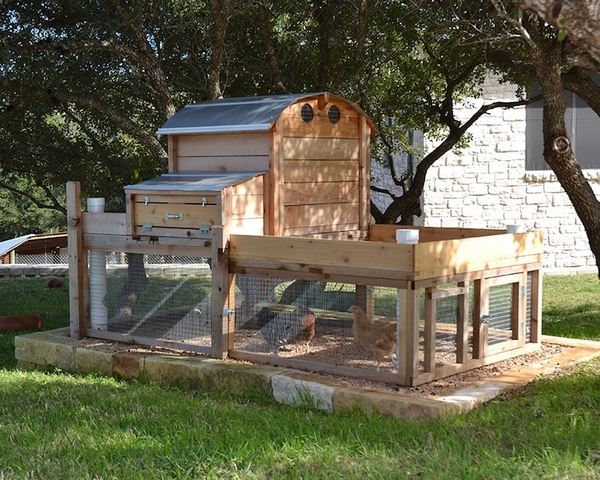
[[170, 301], [500, 314], [327, 322]]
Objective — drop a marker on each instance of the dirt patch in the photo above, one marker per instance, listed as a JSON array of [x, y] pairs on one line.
[[544, 357]]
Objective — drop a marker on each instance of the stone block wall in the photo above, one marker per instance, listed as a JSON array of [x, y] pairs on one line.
[[486, 185]]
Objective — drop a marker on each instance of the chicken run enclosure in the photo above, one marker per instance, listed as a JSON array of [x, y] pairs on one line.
[[263, 251]]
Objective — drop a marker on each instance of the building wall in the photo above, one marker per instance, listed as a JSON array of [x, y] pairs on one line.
[[486, 185]]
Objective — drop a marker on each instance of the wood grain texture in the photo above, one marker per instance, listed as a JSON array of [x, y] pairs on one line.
[[346, 110], [321, 215], [220, 145], [224, 163], [320, 192], [192, 215], [349, 254], [78, 279], [364, 174], [172, 153], [320, 148], [319, 127], [387, 233], [304, 171], [104, 223]]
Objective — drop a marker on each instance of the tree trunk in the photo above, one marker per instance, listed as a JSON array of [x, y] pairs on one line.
[[558, 153], [134, 285], [220, 13], [322, 14]]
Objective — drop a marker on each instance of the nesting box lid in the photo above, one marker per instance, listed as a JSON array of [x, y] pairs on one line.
[[238, 115], [193, 182]]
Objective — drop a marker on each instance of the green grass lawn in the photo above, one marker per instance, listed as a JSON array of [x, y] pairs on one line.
[[54, 425]]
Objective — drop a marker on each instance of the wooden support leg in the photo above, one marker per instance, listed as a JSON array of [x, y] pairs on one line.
[[220, 329], [78, 279], [408, 334], [536, 306], [430, 319], [480, 318], [462, 325]]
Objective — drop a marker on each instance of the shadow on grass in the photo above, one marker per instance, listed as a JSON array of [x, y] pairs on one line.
[[58, 425], [581, 321]]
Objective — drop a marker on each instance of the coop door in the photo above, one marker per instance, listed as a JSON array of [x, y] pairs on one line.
[[499, 314]]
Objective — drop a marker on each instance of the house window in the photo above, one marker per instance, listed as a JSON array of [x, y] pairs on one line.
[[583, 129]]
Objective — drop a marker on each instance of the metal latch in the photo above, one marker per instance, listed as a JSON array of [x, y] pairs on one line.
[[174, 216], [205, 229], [146, 200], [203, 201], [484, 319], [147, 225]]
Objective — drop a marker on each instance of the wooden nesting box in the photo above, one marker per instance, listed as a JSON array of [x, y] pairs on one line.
[[305, 158], [192, 205]]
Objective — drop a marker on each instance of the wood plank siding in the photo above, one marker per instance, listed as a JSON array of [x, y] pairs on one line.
[[240, 152], [321, 169]]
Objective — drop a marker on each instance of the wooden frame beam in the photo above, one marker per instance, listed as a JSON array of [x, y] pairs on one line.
[[78, 279]]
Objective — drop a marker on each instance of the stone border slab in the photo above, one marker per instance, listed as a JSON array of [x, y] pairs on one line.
[[54, 349]]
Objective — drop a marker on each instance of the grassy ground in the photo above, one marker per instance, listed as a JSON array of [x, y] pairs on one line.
[[54, 425]]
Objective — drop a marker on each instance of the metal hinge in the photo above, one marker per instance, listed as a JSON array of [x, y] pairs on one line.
[[205, 229], [228, 312], [484, 319], [147, 225]]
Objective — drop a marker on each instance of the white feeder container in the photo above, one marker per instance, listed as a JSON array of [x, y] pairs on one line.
[[97, 277], [407, 236], [516, 229]]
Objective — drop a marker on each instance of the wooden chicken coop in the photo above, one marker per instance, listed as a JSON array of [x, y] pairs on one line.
[[268, 198]]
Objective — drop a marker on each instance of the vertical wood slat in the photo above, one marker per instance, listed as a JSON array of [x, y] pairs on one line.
[[364, 173], [519, 309], [480, 309], [276, 180], [130, 215], [430, 319], [219, 302], [172, 151], [77, 263], [462, 325], [536, 306], [408, 334]]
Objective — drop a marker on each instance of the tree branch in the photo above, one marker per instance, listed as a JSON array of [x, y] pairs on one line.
[[112, 115], [54, 206]]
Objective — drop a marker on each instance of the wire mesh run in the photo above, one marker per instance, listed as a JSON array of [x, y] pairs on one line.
[[327, 322], [156, 301], [501, 317]]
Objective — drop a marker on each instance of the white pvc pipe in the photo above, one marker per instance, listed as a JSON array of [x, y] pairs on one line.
[[97, 275]]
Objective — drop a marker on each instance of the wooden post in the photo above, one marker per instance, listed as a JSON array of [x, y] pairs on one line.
[[78, 280], [462, 325], [481, 312], [430, 319], [172, 149], [408, 334], [276, 182], [536, 306], [219, 302], [364, 169]]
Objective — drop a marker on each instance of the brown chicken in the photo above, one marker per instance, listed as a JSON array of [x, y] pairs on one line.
[[306, 321], [378, 336]]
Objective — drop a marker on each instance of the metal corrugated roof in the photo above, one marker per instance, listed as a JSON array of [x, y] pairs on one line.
[[194, 182], [8, 245], [235, 115]]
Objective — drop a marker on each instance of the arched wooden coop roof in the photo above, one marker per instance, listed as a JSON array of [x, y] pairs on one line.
[[242, 114]]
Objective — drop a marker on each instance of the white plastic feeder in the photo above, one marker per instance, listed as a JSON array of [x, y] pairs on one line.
[[407, 236], [516, 229], [97, 276]]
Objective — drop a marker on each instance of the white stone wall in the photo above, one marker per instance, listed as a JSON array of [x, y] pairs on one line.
[[486, 185]]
